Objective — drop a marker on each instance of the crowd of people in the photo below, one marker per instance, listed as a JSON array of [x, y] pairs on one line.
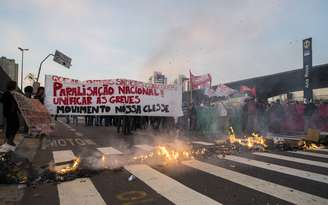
[[252, 115], [287, 117], [124, 124]]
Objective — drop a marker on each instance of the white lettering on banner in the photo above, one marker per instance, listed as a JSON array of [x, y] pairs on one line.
[[66, 96]]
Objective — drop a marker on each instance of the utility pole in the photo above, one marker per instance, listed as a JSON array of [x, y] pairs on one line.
[[22, 65]]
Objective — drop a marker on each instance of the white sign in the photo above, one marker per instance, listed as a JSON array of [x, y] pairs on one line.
[[66, 96]]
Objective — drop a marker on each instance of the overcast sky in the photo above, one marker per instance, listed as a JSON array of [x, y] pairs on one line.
[[230, 39]]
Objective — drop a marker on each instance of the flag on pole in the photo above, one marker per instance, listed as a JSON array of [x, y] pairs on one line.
[[225, 90], [200, 81], [220, 91]]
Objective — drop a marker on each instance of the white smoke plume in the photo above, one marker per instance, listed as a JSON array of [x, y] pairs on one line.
[[220, 41]]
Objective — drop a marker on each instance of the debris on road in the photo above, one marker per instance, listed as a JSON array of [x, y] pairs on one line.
[[170, 154], [256, 142], [14, 169]]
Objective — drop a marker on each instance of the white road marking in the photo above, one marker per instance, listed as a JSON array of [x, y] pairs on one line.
[[72, 129], [171, 189], [293, 159], [109, 151], [310, 154], [203, 143], [277, 168], [90, 142], [63, 156], [288, 194], [322, 149], [79, 191], [79, 134], [145, 147]]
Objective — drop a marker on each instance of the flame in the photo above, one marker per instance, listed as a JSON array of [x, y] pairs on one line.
[[232, 137], [250, 141], [308, 145], [256, 139], [168, 154], [103, 161], [69, 169]]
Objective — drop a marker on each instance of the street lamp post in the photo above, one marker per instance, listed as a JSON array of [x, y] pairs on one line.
[[22, 66], [50, 54]]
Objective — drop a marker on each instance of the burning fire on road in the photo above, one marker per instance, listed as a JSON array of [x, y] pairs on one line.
[[253, 141], [91, 163], [166, 154], [307, 145], [68, 168]]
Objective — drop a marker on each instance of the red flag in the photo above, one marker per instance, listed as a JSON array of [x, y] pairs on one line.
[[200, 81], [245, 89]]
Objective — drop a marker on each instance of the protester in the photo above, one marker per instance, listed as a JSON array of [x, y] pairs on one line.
[[193, 117], [244, 116], [108, 121], [86, 120], [118, 123], [10, 113], [277, 115], [236, 118], [40, 94], [251, 116], [222, 116], [323, 116], [308, 112], [127, 125], [28, 91], [155, 122], [299, 116], [75, 120], [261, 117]]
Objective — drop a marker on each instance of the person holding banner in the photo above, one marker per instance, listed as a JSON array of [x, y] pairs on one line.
[[10, 113]]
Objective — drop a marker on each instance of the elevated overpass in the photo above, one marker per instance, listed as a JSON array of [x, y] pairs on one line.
[[281, 83], [273, 85]]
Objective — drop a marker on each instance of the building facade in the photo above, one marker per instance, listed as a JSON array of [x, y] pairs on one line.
[[158, 78], [10, 67]]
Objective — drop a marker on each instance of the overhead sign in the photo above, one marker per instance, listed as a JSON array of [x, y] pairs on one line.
[[62, 59], [66, 96], [307, 65]]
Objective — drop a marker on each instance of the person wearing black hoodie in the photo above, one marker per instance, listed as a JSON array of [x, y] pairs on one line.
[[10, 112]]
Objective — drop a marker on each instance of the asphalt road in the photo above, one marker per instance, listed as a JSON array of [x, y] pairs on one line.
[[244, 178]]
